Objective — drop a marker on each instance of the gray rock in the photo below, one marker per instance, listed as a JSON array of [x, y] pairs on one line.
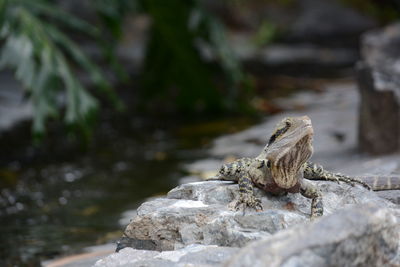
[[198, 213], [379, 112], [363, 235], [281, 54], [127, 257], [382, 45], [193, 255], [319, 20], [379, 86], [391, 195]]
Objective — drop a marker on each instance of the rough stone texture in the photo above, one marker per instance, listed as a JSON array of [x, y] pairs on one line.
[[391, 195], [379, 86], [359, 236], [198, 213], [193, 255]]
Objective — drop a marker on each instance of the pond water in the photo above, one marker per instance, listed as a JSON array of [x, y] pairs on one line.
[[58, 197]]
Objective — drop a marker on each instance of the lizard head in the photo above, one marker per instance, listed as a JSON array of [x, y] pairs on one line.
[[289, 147]]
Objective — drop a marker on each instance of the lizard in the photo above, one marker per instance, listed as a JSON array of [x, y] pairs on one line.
[[282, 166]]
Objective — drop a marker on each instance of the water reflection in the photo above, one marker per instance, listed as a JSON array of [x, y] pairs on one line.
[[62, 199]]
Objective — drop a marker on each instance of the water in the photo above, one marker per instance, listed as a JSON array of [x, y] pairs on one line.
[[58, 198]]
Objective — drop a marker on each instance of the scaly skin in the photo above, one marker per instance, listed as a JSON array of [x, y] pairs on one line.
[[244, 171], [283, 166], [279, 167], [238, 171]]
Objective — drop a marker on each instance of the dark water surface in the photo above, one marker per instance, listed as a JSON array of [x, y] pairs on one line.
[[58, 198]]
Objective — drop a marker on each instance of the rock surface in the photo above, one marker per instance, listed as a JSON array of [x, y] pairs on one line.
[[379, 88], [193, 255], [360, 236], [199, 213]]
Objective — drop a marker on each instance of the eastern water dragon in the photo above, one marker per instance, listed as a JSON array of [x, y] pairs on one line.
[[284, 166]]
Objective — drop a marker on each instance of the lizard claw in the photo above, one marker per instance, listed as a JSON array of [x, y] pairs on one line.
[[245, 202]]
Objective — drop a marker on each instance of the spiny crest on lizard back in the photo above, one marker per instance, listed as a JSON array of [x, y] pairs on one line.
[[289, 149]]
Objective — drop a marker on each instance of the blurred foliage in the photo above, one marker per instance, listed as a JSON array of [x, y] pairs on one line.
[[37, 45], [175, 72], [111, 16], [43, 57], [384, 10], [266, 34]]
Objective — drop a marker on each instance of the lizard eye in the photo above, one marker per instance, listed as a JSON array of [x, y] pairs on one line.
[[269, 164]]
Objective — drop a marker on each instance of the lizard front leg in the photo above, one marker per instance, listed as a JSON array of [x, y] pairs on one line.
[[316, 172], [246, 196], [308, 190]]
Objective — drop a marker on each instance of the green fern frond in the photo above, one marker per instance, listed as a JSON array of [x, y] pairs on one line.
[[38, 53]]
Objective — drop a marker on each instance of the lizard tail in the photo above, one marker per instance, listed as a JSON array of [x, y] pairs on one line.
[[382, 182]]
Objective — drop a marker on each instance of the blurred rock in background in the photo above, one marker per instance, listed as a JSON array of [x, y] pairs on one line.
[[379, 87]]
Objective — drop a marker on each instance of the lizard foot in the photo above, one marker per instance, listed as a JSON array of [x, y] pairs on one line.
[[247, 201]]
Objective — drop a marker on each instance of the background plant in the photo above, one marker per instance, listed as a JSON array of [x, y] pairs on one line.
[[36, 44], [43, 57]]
